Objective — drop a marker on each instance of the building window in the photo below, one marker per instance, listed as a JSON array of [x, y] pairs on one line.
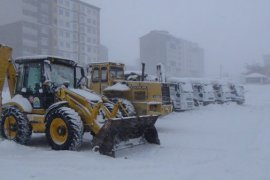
[[67, 35], [89, 40], [82, 29], [67, 24], [89, 11], [89, 49], [60, 11], [95, 49], [89, 29], [67, 14], [89, 21], [82, 38], [67, 3]]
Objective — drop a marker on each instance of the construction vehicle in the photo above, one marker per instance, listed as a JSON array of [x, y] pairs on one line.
[[47, 97], [139, 97], [181, 93]]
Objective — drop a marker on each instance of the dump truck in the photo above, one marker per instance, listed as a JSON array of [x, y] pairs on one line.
[[139, 97], [47, 96]]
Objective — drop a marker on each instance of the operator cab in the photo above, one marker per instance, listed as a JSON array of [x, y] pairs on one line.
[[105, 74], [39, 76]]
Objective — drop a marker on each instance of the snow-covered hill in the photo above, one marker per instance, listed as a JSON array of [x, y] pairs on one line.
[[216, 142]]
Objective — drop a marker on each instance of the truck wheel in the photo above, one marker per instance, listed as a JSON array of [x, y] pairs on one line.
[[240, 102], [64, 129], [15, 125]]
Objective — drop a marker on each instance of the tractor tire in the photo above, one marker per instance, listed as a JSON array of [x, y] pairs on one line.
[[127, 105], [15, 126], [64, 129], [109, 106], [101, 117]]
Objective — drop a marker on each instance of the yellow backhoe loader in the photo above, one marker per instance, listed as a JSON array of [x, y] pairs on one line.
[[47, 97]]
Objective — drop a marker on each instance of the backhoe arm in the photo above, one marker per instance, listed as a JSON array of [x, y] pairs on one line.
[[7, 70]]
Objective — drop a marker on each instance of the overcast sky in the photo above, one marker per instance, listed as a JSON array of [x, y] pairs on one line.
[[232, 32]]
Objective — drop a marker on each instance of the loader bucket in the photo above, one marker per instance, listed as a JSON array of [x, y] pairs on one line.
[[121, 130]]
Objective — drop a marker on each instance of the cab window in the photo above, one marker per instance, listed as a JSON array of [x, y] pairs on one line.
[[19, 83], [117, 72], [95, 74], [104, 74], [32, 77]]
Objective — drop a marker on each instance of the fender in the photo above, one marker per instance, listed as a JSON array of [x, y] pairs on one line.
[[55, 106], [21, 103]]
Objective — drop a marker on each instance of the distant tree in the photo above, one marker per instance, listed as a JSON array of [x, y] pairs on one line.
[[254, 68], [257, 68]]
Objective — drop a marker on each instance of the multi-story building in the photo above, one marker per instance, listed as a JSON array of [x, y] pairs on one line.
[[180, 57], [103, 53], [65, 28]]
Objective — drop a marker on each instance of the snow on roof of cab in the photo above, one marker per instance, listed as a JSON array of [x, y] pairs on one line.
[[41, 57], [106, 62]]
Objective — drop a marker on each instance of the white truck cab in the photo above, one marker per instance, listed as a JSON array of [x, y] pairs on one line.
[[182, 95], [208, 94], [203, 93], [237, 93], [222, 92]]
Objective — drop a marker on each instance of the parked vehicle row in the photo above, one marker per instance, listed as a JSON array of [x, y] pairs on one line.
[[186, 93]]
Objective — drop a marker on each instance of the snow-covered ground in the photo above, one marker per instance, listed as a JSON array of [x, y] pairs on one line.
[[217, 142]]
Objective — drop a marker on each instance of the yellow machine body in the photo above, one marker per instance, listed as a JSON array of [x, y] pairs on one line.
[[148, 98]]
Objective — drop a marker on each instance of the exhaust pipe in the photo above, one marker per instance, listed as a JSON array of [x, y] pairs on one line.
[[143, 71]]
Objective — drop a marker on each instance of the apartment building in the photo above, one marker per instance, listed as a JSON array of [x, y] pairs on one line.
[[180, 57], [65, 28]]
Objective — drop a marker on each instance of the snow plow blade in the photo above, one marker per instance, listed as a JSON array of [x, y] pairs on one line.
[[121, 130]]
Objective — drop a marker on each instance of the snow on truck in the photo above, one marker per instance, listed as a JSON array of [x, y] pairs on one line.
[[47, 97], [181, 93], [222, 92], [203, 92], [237, 93]]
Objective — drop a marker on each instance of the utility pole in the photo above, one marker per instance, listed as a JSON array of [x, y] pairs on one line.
[[220, 71]]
